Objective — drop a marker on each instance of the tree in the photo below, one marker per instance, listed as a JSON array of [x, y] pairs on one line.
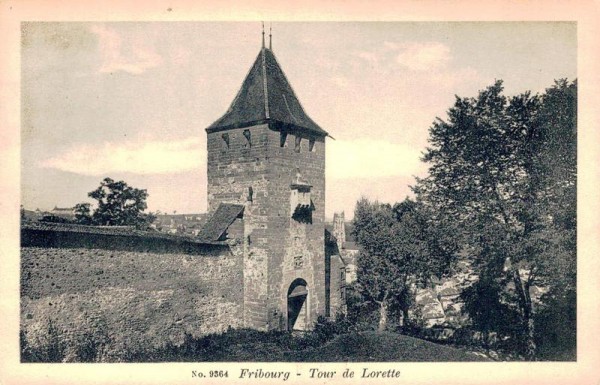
[[397, 251], [118, 205], [557, 166], [83, 213], [504, 169]]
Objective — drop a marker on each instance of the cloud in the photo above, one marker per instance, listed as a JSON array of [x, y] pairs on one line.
[[180, 56], [390, 46], [462, 81], [368, 158], [369, 57], [153, 157], [340, 81], [423, 56], [134, 57]]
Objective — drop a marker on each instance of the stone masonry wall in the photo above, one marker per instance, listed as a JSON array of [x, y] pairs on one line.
[[291, 239], [271, 237], [337, 281], [232, 169], [126, 301]]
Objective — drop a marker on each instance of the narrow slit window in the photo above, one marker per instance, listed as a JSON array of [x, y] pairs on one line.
[[225, 138], [248, 137], [250, 195], [298, 144], [311, 145]]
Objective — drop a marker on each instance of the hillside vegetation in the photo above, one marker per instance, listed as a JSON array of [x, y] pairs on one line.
[[383, 347]]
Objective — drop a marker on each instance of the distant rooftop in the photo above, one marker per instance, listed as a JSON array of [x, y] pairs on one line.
[[62, 208]]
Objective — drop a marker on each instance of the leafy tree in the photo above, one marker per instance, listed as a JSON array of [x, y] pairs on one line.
[[83, 213], [557, 167], [397, 251], [118, 205], [504, 169]]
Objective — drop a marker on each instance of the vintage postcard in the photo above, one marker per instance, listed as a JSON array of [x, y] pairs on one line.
[[395, 193]]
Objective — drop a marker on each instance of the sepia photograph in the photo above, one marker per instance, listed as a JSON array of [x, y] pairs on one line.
[[195, 191], [261, 199]]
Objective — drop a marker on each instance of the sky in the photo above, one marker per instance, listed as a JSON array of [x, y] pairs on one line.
[[131, 100]]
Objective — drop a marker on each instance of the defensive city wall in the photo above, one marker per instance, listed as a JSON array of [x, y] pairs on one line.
[[83, 286]]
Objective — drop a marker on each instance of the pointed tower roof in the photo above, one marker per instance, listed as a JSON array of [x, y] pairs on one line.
[[266, 96]]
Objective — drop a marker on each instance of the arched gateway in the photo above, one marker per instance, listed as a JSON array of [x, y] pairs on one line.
[[297, 306]]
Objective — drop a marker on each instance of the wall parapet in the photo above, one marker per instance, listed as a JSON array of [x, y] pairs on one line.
[[61, 235]]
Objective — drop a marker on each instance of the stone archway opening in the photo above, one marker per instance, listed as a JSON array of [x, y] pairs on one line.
[[297, 305]]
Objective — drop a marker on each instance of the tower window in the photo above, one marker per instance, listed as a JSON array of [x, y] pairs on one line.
[[225, 138], [298, 143], [250, 195], [248, 137], [283, 139], [301, 204], [298, 262]]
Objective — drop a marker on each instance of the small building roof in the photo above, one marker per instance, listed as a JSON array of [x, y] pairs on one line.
[[266, 96], [217, 224], [69, 209]]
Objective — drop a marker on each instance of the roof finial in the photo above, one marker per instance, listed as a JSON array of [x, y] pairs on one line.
[[270, 27], [263, 34]]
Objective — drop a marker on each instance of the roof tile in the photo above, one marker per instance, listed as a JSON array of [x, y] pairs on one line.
[[266, 95], [217, 224]]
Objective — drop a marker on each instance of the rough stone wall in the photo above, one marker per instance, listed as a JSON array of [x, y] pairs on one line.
[[339, 229], [350, 258], [337, 284], [232, 169], [129, 301], [272, 239], [289, 238], [64, 236]]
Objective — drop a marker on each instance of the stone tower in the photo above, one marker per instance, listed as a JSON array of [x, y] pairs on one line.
[[266, 167], [339, 229]]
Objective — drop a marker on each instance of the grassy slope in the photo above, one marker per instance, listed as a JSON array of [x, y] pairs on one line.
[[252, 346], [381, 347]]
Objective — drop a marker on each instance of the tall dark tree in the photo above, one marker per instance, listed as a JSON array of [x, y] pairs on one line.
[[118, 205], [83, 213], [557, 167], [505, 170], [398, 249]]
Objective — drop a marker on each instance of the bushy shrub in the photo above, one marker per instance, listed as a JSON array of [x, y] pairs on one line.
[[325, 329], [556, 327], [362, 315], [54, 219], [45, 345]]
